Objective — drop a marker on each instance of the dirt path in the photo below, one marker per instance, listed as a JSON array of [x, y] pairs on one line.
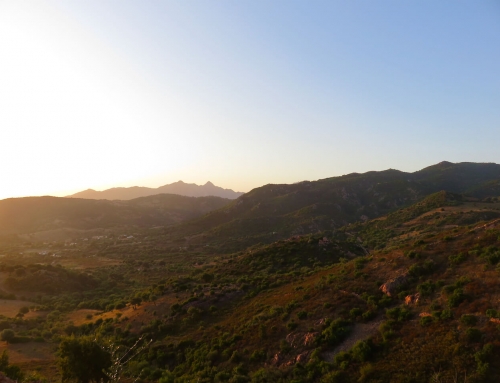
[[360, 331]]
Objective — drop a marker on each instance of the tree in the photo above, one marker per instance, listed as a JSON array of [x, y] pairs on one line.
[[135, 301], [82, 360], [7, 335], [10, 370]]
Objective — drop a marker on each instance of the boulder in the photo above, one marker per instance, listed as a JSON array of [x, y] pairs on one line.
[[391, 286]]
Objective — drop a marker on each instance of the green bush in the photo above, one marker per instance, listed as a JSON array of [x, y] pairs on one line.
[[473, 335], [361, 351], [291, 326], [492, 313], [399, 314], [468, 319], [457, 259], [425, 321], [302, 315], [456, 298], [336, 331], [427, 288]]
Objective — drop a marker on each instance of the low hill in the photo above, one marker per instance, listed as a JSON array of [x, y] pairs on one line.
[[34, 214], [181, 188]]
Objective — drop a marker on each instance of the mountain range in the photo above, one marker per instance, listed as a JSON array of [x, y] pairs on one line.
[[273, 212], [264, 214], [179, 187]]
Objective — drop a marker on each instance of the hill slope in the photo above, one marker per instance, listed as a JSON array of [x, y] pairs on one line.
[[33, 214], [181, 188], [278, 211]]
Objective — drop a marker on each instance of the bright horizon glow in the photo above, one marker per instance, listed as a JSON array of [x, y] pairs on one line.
[[115, 94]]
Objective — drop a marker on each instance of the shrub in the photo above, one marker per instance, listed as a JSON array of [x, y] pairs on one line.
[[365, 372], [361, 351], [399, 314], [457, 259], [427, 288], [446, 314], [368, 315], [291, 325], [456, 298], [468, 319], [355, 312], [335, 377], [341, 357], [336, 331], [425, 321], [492, 313], [473, 335], [302, 315]]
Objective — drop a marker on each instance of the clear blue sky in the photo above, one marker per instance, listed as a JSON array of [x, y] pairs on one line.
[[242, 93]]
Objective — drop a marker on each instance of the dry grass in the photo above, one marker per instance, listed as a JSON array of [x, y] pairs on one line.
[[28, 352], [79, 317], [82, 263], [10, 308]]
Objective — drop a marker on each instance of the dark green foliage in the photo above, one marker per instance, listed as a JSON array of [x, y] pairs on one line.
[[456, 298], [420, 269], [492, 313], [468, 319], [473, 335], [399, 314], [427, 288], [446, 314], [302, 315], [336, 331], [291, 325], [426, 320], [83, 361], [10, 370], [355, 312], [457, 259], [7, 335], [362, 351]]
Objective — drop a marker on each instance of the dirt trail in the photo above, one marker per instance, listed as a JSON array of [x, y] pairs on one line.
[[360, 331]]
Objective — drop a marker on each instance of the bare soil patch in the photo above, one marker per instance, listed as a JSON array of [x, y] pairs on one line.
[[361, 331]]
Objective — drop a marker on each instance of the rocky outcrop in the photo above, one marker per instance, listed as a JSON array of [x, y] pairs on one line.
[[301, 339], [392, 286], [412, 299], [277, 359], [302, 358]]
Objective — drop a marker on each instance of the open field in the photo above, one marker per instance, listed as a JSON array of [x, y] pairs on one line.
[[10, 308]]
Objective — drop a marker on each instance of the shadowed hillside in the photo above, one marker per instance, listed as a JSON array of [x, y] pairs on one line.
[[32, 214], [278, 211]]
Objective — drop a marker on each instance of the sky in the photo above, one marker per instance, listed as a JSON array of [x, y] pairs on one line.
[[99, 94]]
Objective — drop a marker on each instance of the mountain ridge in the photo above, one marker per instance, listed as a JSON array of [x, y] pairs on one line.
[[179, 187]]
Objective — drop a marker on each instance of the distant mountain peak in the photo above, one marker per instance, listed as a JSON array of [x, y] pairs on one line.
[[179, 187]]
